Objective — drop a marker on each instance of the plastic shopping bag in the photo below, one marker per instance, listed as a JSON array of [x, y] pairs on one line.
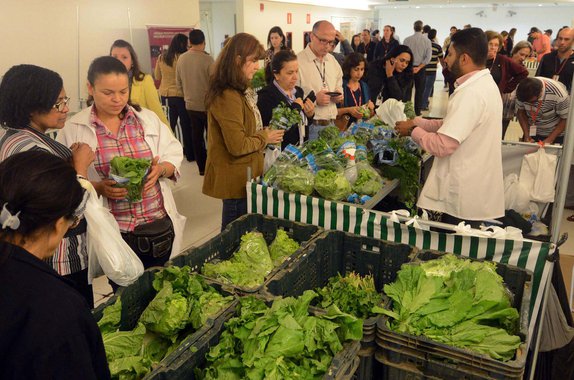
[[271, 154], [391, 111], [516, 196], [107, 250], [537, 175]]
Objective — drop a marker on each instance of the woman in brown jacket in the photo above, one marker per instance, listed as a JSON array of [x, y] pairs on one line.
[[235, 138]]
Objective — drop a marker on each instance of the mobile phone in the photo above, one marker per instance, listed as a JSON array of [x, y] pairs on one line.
[[333, 93], [311, 96]]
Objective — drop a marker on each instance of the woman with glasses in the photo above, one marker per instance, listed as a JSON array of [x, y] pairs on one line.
[[152, 227], [46, 328], [32, 102], [506, 73], [142, 88], [392, 76]]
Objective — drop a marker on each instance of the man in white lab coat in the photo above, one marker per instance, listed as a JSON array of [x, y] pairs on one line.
[[466, 180]]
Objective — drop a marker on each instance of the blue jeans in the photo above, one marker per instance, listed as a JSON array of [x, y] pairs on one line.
[[314, 130], [232, 209], [429, 86]]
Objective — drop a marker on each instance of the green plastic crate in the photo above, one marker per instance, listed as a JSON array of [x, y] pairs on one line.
[[224, 245]]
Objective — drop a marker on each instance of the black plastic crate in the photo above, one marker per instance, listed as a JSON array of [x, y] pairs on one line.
[[137, 296], [336, 252], [431, 355], [224, 245], [343, 365], [366, 357]]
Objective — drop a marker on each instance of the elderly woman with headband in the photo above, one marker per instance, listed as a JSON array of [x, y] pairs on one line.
[[46, 328]]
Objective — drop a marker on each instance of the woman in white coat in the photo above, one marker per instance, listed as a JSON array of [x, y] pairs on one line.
[[113, 127]]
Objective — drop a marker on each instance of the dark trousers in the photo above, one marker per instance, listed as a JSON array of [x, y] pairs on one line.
[[429, 88], [80, 283], [232, 209], [420, 82], [198, 121], [177, 111]]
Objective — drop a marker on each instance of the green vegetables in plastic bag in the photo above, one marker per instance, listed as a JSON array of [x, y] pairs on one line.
[[332, 185], [130, 173]]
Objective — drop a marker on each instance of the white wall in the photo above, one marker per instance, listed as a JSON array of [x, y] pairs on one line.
[[258, 23], [217, 20], [546, 17], [46, 33]]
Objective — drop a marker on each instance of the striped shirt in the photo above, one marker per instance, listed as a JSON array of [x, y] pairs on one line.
[[436, 54], [554, 105], [129, 142], [71, 256]]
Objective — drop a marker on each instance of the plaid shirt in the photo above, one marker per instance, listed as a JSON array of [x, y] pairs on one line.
[[129, 142]]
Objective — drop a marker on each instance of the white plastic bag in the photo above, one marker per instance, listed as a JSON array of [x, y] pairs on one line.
[[537, 175], [271, 154], [516, 197], [391, 111], [107, 250], [396, 213]]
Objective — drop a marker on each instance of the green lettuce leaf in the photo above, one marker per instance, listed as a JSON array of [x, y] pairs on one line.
[[121, 344], [282, 247]]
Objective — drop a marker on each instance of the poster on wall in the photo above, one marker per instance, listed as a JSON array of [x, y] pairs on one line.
[[159, 39]]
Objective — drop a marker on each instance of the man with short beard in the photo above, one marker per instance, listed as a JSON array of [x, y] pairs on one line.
[[465, 182], [559, 64]]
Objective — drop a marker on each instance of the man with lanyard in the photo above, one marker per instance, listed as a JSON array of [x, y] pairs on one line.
[[421, 47], [367, 47], [466, 181], [319, 72], [559, 64], [542, 106]]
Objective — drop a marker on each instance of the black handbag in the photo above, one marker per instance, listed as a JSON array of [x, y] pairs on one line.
[[154, 238]]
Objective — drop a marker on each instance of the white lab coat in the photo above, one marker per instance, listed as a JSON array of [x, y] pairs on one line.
[[468, 184], [162, 143]]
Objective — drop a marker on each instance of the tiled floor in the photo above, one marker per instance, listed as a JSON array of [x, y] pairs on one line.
[[204, 213]]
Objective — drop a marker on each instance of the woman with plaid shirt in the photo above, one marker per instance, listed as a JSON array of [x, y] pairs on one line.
[[112, 127]]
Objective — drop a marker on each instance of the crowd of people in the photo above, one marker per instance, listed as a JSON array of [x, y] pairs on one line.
[[225, 130]]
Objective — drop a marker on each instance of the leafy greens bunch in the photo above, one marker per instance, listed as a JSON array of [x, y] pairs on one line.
[[182, 305], [352, 294], [280, 342], [332, 185], [284, 117], [134, 170], [410, 110], [457, 302], [253, 261]]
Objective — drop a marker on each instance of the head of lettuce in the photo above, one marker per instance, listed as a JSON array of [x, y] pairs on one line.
[[130, 173]]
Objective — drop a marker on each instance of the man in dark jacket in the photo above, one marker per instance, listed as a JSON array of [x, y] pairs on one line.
[[559, 64]]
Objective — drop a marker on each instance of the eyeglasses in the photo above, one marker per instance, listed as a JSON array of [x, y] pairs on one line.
[[62, 104], [325, 42]]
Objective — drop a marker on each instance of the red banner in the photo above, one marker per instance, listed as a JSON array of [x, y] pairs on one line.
[[159, 39]]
